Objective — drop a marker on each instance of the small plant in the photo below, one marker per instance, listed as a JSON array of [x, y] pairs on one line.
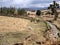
[[32, 19]]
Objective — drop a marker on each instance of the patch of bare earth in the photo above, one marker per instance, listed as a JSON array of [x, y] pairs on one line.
[[47, 17], [10, 24]]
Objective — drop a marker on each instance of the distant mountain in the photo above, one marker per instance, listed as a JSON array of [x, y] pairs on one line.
[[35, 8]]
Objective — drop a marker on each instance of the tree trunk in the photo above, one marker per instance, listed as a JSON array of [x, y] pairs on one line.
[[56, 15]]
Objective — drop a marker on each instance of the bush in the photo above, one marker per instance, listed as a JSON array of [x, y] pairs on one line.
[[7, 11], [21, 12], [38, 13], [35, 20]]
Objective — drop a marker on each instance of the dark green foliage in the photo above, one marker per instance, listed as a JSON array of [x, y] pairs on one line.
[[7, 11], [38, 13], [11, 11], [21, 12], [53, 8], [3, 10]]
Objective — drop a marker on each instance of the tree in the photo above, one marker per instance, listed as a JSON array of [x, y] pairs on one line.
[[53, 8], [7, 11], [4, 11], [21, 12], [1, 10], [11, 10], [38, 13]]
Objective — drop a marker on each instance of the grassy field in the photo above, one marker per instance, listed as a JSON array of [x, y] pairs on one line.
[[11, 24], [14, 30], [57, 22]]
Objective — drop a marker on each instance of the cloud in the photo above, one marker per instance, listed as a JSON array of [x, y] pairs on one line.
[[26, 3], [22, 3], [58, 2], [5, 1]]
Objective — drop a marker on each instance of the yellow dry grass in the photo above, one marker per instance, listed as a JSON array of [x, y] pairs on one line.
[[11, 24], [10, 27], [47, 17], [57, 23]]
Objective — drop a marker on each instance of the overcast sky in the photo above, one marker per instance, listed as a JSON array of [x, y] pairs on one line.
[[26, 3]]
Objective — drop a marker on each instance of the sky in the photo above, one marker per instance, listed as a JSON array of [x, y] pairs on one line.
[[26, 3]]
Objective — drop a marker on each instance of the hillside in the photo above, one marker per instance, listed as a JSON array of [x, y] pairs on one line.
[[18, 30], [11, 24]]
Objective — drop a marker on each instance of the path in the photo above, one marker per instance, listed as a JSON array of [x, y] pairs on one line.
[[54, 30]]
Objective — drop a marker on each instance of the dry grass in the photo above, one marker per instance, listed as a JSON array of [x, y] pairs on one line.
[[10, 24], [13, 30], [47, 17], [57, 23]]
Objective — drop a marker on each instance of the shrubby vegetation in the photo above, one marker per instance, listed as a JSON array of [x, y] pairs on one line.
[[11, 11], [21, 12], [6, 11], [38, 13], [53, 8]]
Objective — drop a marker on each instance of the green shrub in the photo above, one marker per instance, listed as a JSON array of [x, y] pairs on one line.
[[53, 7], [21, 12], [38, 13]]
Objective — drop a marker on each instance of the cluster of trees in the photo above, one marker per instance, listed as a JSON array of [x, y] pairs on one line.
[[6, 11], [53, 8], [11, 11], [21, 12]]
